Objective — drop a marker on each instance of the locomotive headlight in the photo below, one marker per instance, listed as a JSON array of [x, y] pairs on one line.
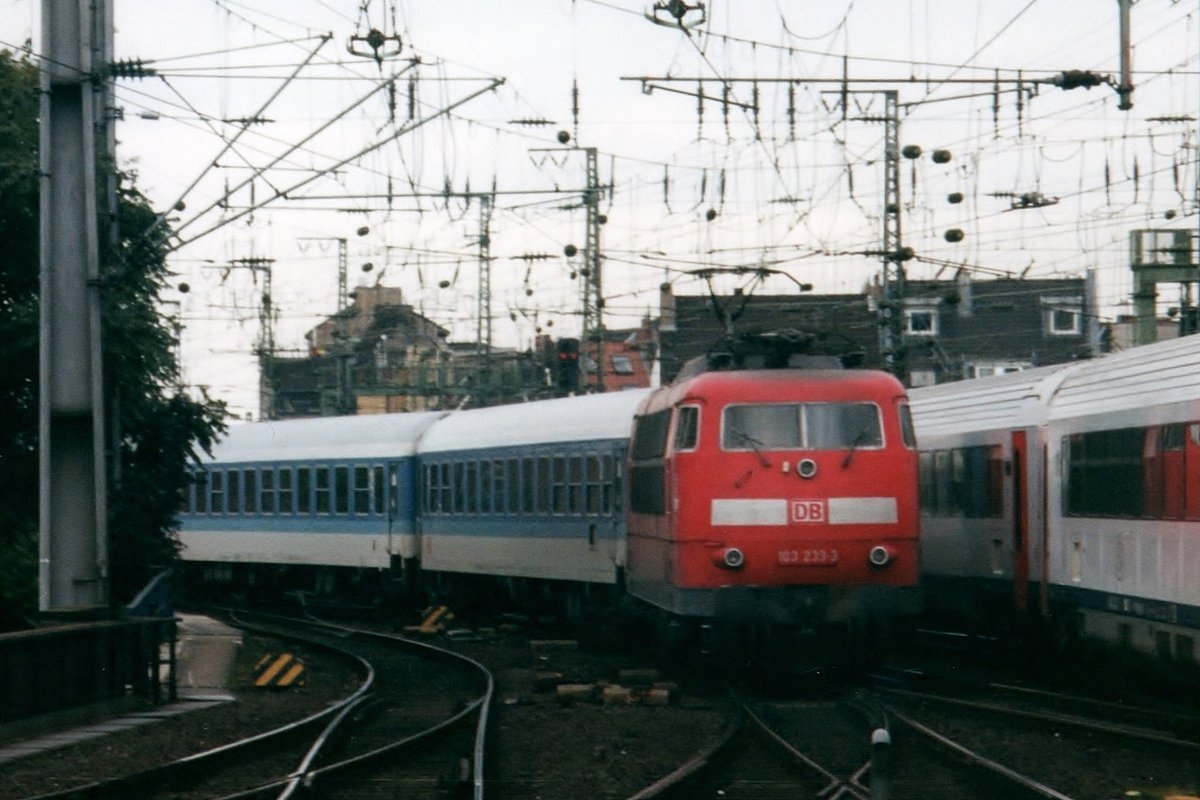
[[806, 468], [729, 558], [881, 555]]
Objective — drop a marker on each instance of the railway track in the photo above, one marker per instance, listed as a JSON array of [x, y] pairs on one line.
[[865, 744], [417, 719]]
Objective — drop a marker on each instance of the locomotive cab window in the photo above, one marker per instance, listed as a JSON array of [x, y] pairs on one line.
[[808, 426]]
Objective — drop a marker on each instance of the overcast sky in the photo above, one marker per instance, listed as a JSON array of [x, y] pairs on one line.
[[788, 179]]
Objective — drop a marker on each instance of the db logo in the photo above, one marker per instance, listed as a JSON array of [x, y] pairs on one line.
[[808, 511]]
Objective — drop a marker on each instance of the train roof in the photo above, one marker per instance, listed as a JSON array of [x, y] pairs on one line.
[[365, 436], [1141, 376], [1153, 374], [569, 419], [1007, 401]]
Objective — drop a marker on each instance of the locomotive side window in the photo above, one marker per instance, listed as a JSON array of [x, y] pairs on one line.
[[647, 492], [687, 428], [908, 434], [650, 435]]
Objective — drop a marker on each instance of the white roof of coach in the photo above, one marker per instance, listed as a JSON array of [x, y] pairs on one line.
[[364, 436], [1000, 402], [568, 419], [1153, 374]]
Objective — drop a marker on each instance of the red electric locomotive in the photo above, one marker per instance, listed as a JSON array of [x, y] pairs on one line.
[[780, 495]]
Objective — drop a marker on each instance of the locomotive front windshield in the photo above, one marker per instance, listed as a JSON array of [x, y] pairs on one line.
[[802, 426]]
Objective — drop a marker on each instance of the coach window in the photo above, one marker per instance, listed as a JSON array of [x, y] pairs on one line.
[[460, 490], [201, 491], [250, 491], [687, 428], [471, 487], [514, 486], [322, 490], [363, 486], [1105, 473], [1192, 472], [233, 492], [431, 499], [544, 481], [266, 489], [217, 491], [528, 485], [341, 490], [445, 488], [304, 490], [286, 494], [595, 484], [611, 501], [575, 487], [378, 489], [362, 490], [1171, 492], [925, 480], [487, 482], [558, 485], [941, 481]]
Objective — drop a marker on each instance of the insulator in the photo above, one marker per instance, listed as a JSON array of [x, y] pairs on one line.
[[954, 198], [941, 156], [911, 151], [570, 250], [954, 235]]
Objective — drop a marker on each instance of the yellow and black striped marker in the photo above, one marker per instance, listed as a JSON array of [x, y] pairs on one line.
[[436, 620], [278, 672]]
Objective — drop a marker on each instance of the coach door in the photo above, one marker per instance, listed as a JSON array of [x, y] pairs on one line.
[[391, 496], [1020, 522]]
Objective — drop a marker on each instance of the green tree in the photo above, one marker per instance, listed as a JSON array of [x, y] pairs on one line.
[[158, 429]]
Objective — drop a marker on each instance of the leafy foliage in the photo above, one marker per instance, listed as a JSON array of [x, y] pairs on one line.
[[157, 427]]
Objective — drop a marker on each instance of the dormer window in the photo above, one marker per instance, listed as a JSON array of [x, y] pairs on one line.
[[921, 321], [1063, 315]]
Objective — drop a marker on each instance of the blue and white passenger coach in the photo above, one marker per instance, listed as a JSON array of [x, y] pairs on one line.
[[310, 493], [528, 491]]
